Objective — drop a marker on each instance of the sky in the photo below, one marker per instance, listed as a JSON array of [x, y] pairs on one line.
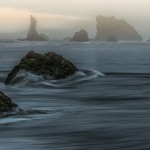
[[61, 18]]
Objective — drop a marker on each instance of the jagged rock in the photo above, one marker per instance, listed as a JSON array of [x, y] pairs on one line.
[[120, 29], [48, 64], [6, 103], [33, 35], [111, 39], [81, 36]]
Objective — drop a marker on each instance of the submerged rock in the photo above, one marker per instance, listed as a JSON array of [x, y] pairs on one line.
[[6, 103], [81, 36], [48, 64], [120, 29]]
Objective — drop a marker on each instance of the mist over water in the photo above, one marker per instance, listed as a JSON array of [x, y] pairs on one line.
[[60, 19], [105, 106]]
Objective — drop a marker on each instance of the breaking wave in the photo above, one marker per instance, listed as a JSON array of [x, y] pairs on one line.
[[24, 78]]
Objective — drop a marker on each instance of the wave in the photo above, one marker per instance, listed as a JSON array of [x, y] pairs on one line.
[[2, 86], [24, 78], [15, 110], [18, 115]]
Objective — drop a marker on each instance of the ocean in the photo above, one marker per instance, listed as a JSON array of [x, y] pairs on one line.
[[104, 106]]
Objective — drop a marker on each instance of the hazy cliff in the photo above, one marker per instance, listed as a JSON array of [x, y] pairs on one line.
[[120, 29]]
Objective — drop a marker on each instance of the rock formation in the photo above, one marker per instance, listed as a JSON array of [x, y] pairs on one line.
[[120, 29], [81, 36], [44, 36], [33, 35], [111, 39], [49, 64], [6, 103], [67, 38]]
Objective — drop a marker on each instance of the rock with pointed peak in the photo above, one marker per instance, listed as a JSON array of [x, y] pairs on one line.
[[33, 35], [120, 29], [80, 36]]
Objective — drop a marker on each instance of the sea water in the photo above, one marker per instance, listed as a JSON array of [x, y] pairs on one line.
[[104, 106]]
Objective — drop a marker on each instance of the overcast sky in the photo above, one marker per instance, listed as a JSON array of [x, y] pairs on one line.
[[73, 14]]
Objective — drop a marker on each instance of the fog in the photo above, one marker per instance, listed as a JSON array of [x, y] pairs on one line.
[[60, 19]]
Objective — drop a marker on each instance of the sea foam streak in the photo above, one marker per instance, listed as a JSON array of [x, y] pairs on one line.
[[24, 78]]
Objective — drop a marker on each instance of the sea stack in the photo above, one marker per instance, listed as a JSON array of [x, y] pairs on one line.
[[6, 103], [118, 29], [49, 65], [33, 35], [111, 39], [80, 36]]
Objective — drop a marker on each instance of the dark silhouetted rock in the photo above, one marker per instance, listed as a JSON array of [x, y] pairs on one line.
[[48, 64], [6, 103], [120, 29], [111, 39], [81, 36]]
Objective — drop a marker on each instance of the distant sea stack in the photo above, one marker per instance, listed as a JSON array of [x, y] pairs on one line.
[[118, 29], [80, 36], [67, 38], [111, 39], [33, 35]]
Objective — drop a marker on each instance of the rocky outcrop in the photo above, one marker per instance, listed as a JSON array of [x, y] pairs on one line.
[[33, 35], [111, 39], [67, 38], [44, 36], [6, 103], [120, 29], [48, 64], [81, 36]]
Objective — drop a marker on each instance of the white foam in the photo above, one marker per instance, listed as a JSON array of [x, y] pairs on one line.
[[30, 79]]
